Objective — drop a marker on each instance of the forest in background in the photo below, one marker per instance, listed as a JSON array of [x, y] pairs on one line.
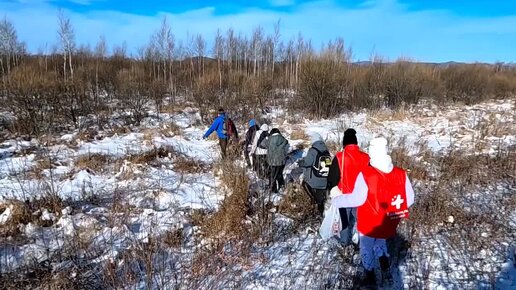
[[50, 92]]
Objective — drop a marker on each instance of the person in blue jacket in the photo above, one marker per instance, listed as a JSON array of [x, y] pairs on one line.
[[224, 128]]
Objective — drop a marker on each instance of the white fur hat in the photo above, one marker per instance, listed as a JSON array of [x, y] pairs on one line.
[[378, 154]]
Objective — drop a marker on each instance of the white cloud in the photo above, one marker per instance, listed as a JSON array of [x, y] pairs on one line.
[[383, 26]]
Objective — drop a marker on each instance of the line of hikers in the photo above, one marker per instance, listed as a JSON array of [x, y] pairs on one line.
[[372, 194], [265, 151]]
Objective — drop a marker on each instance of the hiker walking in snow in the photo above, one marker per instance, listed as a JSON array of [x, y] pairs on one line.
[[382, 194], [259, 150], [248, 143], [316, 166], [226, 131], [344, 170], [277, 150]]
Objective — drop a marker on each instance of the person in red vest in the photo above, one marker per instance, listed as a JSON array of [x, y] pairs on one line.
[[382, 194], [344, 170]]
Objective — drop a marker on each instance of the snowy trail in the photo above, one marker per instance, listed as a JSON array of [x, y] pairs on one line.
[[161, 197]]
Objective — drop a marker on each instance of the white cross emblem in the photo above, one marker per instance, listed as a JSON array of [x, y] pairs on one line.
[[398, 201]]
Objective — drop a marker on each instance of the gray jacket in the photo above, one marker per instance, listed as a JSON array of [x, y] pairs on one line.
[[307, 163], [277, 149]]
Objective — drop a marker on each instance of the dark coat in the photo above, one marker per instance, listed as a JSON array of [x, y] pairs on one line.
[[249, 137], [307, 164], [277, 149]]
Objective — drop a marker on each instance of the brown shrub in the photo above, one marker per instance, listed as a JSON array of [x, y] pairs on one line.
[[297, 205], [173, 238], [458, 175], [227, 222], [416, 170], [197, 216]]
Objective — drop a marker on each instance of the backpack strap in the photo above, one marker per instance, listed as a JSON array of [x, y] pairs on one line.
[[319, 152], [342, 164]]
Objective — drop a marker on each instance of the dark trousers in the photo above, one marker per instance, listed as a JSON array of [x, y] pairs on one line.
[[248, 159], [262, 170], [348, 218], [276, 178], [223, 147], [318, 196]]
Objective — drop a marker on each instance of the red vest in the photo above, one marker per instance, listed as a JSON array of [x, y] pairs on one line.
[[354, 162], [386, 203]]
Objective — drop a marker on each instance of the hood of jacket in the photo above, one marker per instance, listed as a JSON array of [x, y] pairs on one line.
[[277, 140], [319, 145]]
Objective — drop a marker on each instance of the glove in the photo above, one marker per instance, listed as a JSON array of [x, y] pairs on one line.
[[334, 192]]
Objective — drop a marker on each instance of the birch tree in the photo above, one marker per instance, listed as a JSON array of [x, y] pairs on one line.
[[67, 42]]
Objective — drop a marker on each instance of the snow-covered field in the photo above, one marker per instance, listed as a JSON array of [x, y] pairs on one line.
[[123, 192]]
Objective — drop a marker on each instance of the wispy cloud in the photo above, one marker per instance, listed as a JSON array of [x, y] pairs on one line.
[[385, 27]]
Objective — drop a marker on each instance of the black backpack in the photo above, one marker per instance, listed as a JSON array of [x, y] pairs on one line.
[[322, 163], [262, 137]]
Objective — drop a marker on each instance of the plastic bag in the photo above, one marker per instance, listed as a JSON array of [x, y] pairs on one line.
[[331, 224]]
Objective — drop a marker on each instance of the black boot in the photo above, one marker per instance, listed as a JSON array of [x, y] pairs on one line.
[[386, 271], [369, 280]]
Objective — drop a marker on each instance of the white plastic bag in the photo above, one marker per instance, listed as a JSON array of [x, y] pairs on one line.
[[331, 224]]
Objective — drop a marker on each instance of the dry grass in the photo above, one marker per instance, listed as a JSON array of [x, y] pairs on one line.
[[149, 157], [299, 134], [188, 165], [167, 130], [87, 135], [30, 211], [297, 205], [227, 222], [95, 162], [173, 238], [20, 214], [333, 146], [458, 176], [36, 172], [415, 169], [397, 114], [197, 216]]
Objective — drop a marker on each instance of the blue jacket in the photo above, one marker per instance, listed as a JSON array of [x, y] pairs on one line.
[[218, 125]]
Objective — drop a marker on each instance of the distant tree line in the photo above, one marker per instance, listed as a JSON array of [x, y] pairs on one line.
[[49, 92]]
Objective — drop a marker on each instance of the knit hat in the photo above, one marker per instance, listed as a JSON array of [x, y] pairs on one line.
[[275, 131], [350, 137], [252, 122], [378, 154], [264, 127]]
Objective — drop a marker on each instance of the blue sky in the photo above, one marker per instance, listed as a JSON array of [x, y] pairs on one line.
[[422, 30]]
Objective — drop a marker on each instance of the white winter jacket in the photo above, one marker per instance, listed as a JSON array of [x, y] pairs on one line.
[[254, 148]]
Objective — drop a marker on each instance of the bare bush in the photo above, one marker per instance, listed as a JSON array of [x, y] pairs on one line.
[[227, 222], [297, 205]]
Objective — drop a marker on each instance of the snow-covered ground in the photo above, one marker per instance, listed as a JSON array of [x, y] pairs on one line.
[[157, 197]]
